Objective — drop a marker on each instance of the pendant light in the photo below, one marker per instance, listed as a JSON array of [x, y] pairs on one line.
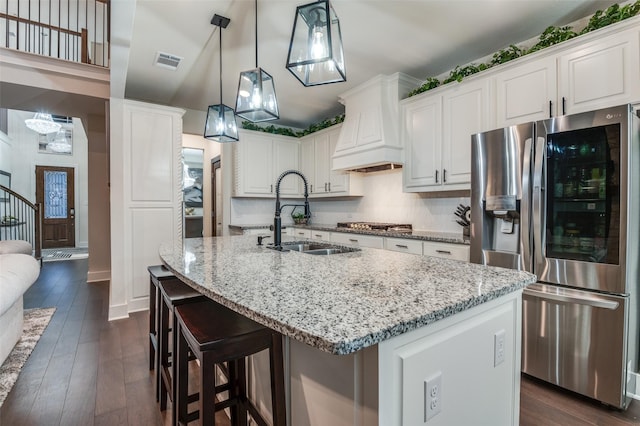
[[42, 123], [256, 99], [221, 120], [315, 51]]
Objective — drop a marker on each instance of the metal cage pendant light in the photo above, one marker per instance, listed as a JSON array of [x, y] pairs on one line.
[[221, 120], [256, 99], [315, 51]]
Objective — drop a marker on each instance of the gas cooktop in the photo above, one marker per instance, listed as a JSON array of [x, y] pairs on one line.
[[376, 226]]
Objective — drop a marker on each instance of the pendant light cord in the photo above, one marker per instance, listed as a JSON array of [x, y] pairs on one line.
[[220, 30], [256, 3]]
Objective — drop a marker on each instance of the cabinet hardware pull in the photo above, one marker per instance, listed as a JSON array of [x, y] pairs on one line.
[[311, 188], [436, 176], [443, 251], [325, 187], [353, 240], [444, 175], [300, 233], [563, 105], [271, 188], [550, 103], [319, 235], [329, 186], [401, 246]]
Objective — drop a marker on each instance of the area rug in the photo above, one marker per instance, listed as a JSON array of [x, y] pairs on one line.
[[35, 322]]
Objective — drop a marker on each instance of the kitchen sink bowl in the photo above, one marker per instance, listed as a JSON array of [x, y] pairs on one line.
[[317, 248]]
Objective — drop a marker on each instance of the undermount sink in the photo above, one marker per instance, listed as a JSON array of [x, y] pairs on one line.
[[316, 248]]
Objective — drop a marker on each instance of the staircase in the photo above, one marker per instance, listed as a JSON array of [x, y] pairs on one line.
[[20, 220]]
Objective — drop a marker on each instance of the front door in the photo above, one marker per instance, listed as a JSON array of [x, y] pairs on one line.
[[54, 191]]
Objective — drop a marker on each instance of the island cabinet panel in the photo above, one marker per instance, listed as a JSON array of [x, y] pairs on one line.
[[460, 351]]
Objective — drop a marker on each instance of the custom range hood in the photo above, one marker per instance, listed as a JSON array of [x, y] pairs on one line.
[[370, 136]]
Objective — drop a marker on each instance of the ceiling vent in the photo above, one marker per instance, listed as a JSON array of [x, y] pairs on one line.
[[166, 60]]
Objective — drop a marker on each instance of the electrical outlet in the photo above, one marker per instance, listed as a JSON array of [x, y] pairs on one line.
[[498, 348], [432, 395]]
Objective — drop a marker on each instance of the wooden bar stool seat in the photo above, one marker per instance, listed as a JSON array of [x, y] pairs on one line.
[[173, 293], [215, 334]]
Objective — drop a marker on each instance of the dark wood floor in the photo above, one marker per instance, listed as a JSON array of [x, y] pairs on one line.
[[86, 370]]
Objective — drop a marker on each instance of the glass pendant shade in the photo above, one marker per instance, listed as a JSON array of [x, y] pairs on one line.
[[221, 124], [315, 51], [256, 100], [60, 142], [42, 123]]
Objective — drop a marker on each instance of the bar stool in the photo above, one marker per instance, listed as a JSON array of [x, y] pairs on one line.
[[157, 274], [173, 293], [216, 334]]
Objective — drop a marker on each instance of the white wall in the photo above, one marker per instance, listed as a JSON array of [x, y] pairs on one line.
[[25, 157], [383, 201]]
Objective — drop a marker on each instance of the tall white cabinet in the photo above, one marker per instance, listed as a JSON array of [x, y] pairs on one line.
[[146, 197]]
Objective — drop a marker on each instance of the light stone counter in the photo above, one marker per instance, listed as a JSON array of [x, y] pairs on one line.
[[338, 303]]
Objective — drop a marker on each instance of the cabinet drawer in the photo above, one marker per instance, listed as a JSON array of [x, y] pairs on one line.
[[301, 233], [446, 251], [320, 235], [357, 240], [403, 245]]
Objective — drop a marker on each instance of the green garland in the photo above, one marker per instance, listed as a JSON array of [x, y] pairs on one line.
[[287, 131], [551, 36]]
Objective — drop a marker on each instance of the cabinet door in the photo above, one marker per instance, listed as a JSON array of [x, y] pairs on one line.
[[338, 180], [524, 92], [286, 157], [256, 164], [465, 112], [422, 135], [323, 163], [308, 163], [600, 74]]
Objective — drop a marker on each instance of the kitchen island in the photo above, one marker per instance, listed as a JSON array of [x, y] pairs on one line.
[[366, 329]]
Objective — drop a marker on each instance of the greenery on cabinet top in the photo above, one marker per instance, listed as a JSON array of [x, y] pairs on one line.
[[287, 131], [551, 36]]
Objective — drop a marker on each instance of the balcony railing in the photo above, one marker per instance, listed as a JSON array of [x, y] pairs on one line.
[[74, 30]]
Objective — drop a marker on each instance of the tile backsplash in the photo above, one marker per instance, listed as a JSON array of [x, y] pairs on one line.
[[383, 201]]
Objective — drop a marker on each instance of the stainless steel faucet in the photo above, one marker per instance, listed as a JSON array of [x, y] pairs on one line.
[[277, 221]]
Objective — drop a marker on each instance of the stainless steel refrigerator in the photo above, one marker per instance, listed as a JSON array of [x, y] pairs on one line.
[[560, 198]]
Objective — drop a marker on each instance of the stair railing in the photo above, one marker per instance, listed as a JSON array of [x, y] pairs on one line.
[[20, 219]]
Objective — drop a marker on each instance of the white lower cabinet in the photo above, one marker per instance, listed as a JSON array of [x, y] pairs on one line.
[[403, 245], [357, 240], [446, 250]]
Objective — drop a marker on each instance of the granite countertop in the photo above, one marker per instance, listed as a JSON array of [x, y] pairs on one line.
[[338, 303], [442, 237]]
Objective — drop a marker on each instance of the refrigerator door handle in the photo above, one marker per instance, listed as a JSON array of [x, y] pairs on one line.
[[593, 301], [525, 219], [537, 201]]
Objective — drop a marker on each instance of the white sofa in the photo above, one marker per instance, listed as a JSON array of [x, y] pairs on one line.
[[17, 272]]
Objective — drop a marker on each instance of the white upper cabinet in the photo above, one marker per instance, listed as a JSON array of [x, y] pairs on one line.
[[316, 164], [259, 158], [437, 129], [594, 71], [526, 92], [600, 73]]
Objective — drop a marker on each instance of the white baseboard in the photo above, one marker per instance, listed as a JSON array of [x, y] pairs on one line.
[[95, 276], [118, 312], [138, 304]]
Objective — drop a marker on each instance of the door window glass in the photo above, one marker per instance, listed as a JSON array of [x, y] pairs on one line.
[[583, 194], [55, 190]]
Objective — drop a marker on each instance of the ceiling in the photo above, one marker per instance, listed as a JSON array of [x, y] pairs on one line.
[[421, 38]]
